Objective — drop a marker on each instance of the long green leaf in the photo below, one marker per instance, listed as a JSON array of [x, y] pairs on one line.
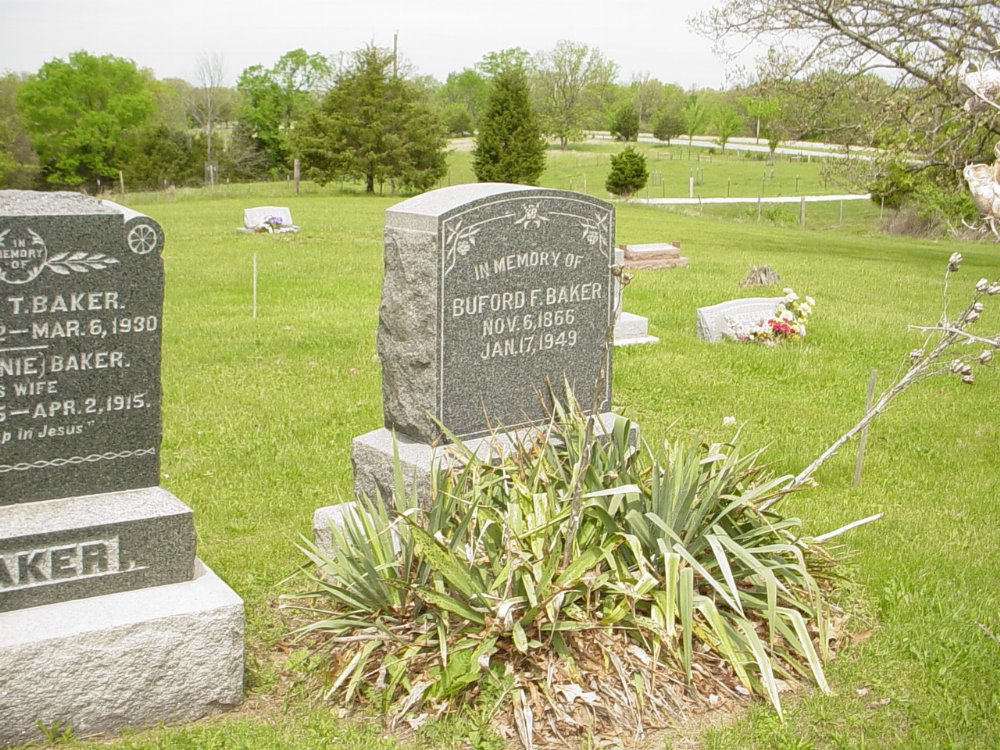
[[446, 564]]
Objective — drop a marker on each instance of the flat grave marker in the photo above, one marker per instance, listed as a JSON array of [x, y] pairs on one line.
[[715, 322]]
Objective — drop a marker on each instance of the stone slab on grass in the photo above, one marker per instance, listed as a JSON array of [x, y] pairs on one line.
[[633, 329], [134, 659]]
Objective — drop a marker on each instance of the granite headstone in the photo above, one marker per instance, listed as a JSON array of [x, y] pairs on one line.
[[717, 322], [492, 295], [85, 529], [81, 299]]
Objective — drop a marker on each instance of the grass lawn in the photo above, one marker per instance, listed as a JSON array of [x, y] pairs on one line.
[[259, 415]]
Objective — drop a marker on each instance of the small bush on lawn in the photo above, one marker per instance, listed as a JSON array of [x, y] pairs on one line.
[[604, 587]]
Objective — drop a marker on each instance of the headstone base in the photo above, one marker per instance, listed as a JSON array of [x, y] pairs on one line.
[[91, 545], [633, 329], [163, 654], [372, 458]]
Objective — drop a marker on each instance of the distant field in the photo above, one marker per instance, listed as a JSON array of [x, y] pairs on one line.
[[259, 415]]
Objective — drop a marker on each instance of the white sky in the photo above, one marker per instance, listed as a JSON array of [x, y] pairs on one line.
[[436, 36]]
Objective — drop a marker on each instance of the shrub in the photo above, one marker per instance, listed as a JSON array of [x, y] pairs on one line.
[[599, 583], [628, 173]]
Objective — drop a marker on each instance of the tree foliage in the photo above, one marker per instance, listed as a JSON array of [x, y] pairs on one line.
[[901, 60], [78, 113], [273, 101], [509, 147], [371, 125], [625, 123], [565, 77], [500, 61], [463, 97], [157, 156], [18, 163], [695, 116], [667, 125], [628, 173], [726, 121]]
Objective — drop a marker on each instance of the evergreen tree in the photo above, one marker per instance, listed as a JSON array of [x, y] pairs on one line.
[[371, 126], [628, 173], [509, 146]]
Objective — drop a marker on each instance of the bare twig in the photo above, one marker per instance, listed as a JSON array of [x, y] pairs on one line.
[[927, 361]]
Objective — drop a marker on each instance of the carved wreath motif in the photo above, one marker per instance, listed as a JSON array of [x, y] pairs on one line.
[[79, 262]]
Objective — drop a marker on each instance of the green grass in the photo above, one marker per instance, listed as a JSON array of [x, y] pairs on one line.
[[584, 167], [259, 415]]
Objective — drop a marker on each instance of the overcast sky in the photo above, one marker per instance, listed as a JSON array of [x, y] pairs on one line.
[[436, 36]]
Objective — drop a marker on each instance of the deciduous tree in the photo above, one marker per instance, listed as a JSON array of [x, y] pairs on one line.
[[18, 163], [916, 49], [726, 122], [624, 124], [667, 125], [467, 90], [78, 112], [207, 98], [563, 77], [695, 116]]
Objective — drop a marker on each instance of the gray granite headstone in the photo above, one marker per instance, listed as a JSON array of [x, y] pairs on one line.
[[716, 321], [492, 295], [81, 299], [86, 533]]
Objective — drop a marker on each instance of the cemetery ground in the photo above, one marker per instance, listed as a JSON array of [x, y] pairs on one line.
[[259, 415]]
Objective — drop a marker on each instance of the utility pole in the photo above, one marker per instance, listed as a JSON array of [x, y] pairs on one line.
[[395, 52]]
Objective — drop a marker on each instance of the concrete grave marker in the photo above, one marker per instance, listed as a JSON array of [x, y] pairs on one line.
[[86, 533], [630, 329], [716, 321]]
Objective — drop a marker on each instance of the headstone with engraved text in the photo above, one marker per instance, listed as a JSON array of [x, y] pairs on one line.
[[81, 299], [82, 517], [495, 297], [493, 294], [717, 322]]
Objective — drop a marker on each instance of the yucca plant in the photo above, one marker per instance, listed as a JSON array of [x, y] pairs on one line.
[[605, 584]]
